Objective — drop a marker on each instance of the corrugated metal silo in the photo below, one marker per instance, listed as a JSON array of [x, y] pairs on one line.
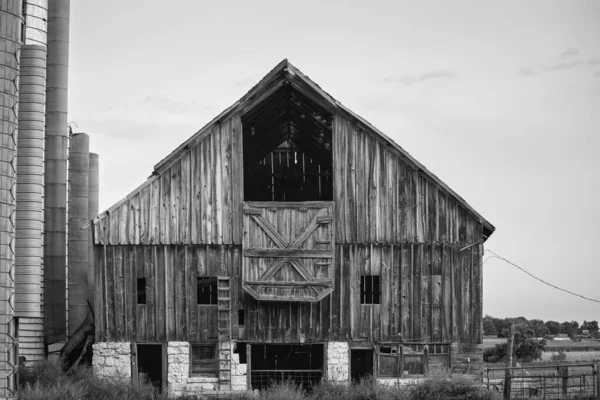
[[10, 37], [30, 177], [30, 203]]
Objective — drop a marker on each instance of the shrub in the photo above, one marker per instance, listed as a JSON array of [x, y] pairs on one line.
[[561, 356], [286, 390], [450, 389], [47, 381], [496, 353], [527, 350]]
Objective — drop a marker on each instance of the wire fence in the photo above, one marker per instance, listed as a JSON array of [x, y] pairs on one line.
[[261, 379], [573, 381]]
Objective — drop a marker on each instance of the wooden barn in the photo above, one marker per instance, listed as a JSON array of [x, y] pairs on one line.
[[288, 238]]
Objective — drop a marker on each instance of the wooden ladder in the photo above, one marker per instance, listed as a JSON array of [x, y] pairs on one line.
[[224, 330]]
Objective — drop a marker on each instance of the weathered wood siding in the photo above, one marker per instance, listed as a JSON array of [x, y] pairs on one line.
[[430, 292], [390, 219], [195, 199], [381, 197], [170, 312]]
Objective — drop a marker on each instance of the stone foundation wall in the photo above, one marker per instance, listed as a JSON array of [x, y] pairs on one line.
[[338, 363], [112, 360], [238, 372]]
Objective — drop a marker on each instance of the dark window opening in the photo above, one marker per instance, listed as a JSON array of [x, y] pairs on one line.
[[370, 289], [149, 360], [241, 319], [301, 364], [241, 350], [288, 149], [204, 360], [361, 364], [206, 290], [141, 290]]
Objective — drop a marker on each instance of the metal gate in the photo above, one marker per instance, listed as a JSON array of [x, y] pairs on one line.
[[573, 381]]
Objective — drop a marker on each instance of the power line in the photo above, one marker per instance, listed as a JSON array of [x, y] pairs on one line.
[[494, 255]]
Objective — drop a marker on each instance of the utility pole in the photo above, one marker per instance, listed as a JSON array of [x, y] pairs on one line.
[[509, 362]]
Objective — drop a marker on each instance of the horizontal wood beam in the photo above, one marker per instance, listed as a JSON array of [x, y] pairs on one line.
[[288, 253], [282, 204], [252, 211], [324, 283]]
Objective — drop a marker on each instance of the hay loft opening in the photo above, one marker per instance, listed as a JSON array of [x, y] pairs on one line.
[[288, 149]]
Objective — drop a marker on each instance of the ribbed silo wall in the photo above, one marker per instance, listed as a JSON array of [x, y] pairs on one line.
[[93, 209], [35, 13], [10, 31], [30, 177], [78, 289], [29, 275], [55, 172]]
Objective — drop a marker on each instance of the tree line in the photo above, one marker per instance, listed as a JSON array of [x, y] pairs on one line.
[[538, 328]]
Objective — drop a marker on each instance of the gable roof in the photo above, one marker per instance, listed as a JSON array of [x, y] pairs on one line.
[[283, 74]]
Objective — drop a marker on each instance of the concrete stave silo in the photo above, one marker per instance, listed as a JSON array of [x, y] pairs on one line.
[[55, 172], [77, 238]]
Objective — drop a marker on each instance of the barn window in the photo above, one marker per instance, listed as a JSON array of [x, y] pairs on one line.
[[141, 290], [204, 360], [241, 320], [370, 289], [287, 149], [206, 290]]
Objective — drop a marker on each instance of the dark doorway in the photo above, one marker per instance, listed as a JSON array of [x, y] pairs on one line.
[[361, 363], [149, 357], [299, 363]]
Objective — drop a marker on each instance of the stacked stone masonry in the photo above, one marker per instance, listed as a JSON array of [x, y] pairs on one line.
[[112, 360], [180, 381], [337, 362]]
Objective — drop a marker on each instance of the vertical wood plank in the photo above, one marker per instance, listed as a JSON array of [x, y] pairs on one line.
[[165, 208], [185, 195], [338, 173], [154, 212], [217, 183], [208, 198], [237, 164], [406, 290], [446, 294], [175, 203], [226, 181]]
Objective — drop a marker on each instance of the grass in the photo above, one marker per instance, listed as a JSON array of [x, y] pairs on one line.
[[369, 389], [47, 381]]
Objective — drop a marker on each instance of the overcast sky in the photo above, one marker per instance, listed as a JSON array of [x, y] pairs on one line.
[[501, 100]]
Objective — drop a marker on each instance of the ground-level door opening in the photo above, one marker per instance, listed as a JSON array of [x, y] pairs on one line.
[[361, 363], [149, 364], [299, 363]]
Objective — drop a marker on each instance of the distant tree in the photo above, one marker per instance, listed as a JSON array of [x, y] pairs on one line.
[[554, 328], [570, 328], [591, 326], [489, 329], [525, 347], [539, 328]]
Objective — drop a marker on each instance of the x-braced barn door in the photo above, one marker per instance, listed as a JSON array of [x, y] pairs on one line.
[[288, 250]]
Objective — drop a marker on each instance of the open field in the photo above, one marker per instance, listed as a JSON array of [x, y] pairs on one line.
[[553, 344], [575, 356]]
